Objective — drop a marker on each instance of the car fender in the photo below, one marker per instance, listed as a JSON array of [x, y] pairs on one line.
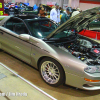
[[67, 61]]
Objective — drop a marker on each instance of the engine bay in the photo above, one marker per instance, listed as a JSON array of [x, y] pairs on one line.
[[83, 49]]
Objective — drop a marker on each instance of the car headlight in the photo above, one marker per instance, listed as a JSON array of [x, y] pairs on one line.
[[92, 69]]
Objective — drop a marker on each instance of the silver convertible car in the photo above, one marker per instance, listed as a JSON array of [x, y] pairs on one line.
[[60, 54]]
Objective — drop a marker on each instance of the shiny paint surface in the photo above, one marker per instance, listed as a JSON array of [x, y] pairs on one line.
[[33, 50]]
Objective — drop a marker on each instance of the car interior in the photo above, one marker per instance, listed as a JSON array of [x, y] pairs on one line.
[[16, 26]]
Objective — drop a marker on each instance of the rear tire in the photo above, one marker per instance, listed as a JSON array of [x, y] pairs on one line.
[[51, 72]]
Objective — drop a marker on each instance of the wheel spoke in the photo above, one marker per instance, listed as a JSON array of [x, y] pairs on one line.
[[57, 74], [54, 78], [49, 65], [56, 69], [50, 72], [53, 66]]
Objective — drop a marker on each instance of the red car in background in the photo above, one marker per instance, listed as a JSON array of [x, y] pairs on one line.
[[90, 34], [93, 30]]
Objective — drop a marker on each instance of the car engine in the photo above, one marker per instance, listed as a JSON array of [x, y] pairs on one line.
[[82, 49]]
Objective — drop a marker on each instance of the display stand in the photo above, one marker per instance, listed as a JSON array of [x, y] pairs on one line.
[[1, 7]]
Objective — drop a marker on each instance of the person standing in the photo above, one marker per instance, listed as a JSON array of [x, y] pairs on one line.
[[66, 15], [55, 14], [76, 12], [39, 8], [42, 12]]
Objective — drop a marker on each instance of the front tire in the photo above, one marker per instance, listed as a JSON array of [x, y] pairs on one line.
[[51, 72]]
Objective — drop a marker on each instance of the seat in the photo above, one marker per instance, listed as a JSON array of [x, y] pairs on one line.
[[19, 29]]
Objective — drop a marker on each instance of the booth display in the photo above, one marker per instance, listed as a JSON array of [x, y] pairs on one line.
[[1, 7], [92, 30], [12, 9]]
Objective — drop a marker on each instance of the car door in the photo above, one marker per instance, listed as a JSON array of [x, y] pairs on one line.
[[11, 41]]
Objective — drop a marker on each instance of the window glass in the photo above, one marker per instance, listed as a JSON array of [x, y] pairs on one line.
[[9, 24], [41, 29], [17, 26]]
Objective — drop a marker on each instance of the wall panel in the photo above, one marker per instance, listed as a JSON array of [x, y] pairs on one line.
[[45, 2], [75, 3], [85, 6]]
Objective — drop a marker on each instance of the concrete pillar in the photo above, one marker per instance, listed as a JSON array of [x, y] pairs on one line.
[[26, 1], [62, 2], [69, 4], [13, 1], [73, 3], [38, 2]]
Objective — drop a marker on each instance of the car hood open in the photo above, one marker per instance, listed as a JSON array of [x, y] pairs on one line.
[[79, 21]]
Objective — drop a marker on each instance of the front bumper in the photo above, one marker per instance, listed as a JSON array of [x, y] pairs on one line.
[[79, 82]]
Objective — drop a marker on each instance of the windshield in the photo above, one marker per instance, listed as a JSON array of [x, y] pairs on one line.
[[41, 28], [64, 34]]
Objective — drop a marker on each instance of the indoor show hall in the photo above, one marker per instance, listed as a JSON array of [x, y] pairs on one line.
[[49, 49]]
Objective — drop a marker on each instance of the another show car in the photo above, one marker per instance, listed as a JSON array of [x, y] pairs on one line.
[[92, 30], [31, 11], [60, 54], [27, 10]]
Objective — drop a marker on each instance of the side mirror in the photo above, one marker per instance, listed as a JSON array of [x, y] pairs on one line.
[[24, 37]]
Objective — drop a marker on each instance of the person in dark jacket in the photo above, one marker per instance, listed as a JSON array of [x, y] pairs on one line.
[[42, 12], [66, 15], [39, 8]]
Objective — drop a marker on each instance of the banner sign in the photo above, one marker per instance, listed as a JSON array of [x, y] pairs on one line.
[[1, 7], [90, 1]]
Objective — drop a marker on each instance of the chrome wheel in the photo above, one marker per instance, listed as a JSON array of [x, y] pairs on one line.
[[50, 72]]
